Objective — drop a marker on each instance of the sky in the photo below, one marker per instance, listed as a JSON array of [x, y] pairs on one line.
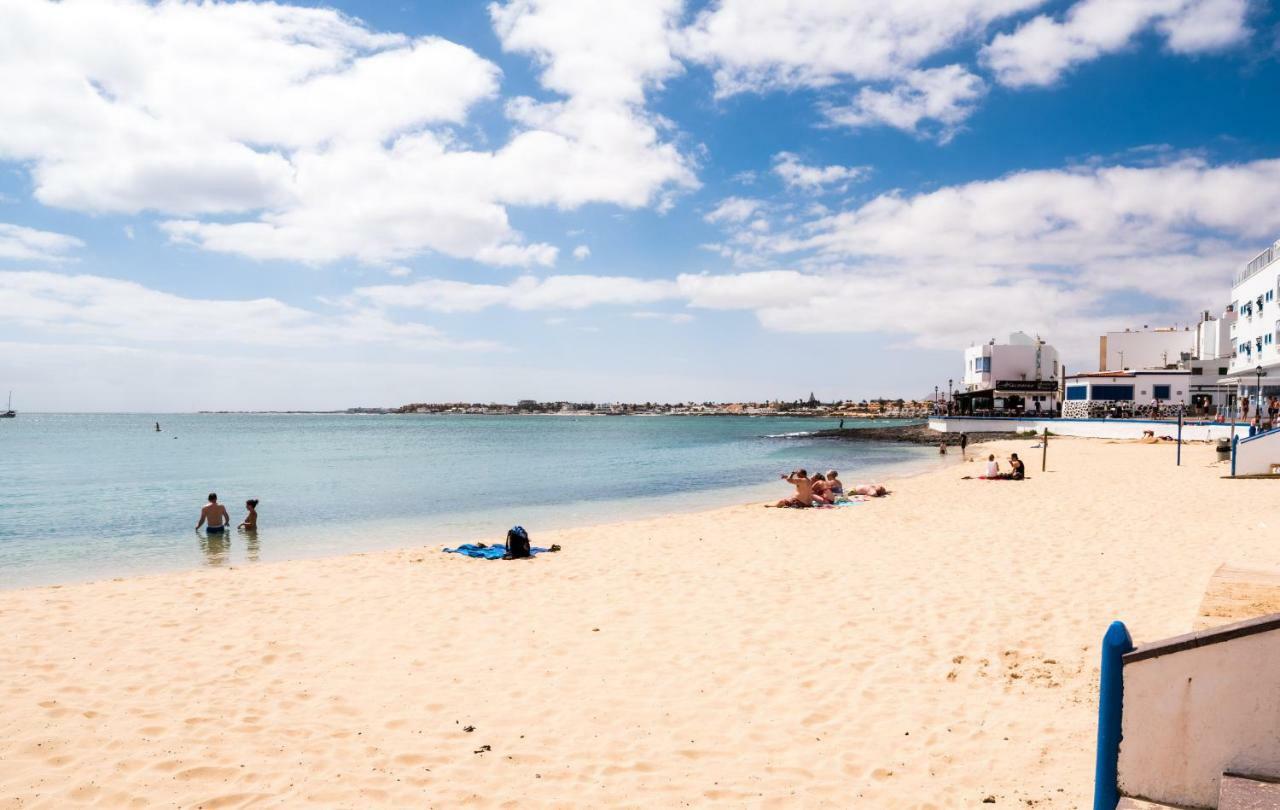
[[245, 205]]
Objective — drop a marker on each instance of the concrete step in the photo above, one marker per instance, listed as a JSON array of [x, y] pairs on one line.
[[1238, 792]]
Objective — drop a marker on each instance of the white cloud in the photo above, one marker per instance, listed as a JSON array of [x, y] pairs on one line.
[[315, 138], [400, 271], [1041, 50], [814, 178], [525, 293], [18, 242], [124, 311], [581, 252], [734, 210], [945, 95], [669, 317], [759, 45]]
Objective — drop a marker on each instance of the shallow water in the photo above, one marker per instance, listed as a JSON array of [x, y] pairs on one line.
[[93, 495]]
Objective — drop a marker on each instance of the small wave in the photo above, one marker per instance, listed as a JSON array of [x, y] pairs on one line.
[[790, 435]]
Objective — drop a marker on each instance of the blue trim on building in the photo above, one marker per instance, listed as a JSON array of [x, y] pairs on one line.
[[1082, 419], [1260, 435]]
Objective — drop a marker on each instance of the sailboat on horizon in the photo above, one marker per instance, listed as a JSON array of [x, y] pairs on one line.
[[10, 413]]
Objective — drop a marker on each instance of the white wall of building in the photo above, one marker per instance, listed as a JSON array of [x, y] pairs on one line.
[[1022, 358], [1192, 714], [1086, 428], [1257, 322], [1256, 454], [1213, 338], [1144, 348]]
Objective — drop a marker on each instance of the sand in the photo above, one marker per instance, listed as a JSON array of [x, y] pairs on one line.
[[931, 649]]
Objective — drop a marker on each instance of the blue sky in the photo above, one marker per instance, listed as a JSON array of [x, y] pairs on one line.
[[301, 206]]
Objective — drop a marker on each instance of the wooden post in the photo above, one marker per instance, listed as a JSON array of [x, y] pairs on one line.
[[1044, 449]]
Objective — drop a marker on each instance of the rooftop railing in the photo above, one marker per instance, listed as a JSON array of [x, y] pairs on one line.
[[1256, 265]]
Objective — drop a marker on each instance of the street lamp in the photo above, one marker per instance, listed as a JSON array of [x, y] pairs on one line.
[[1260, 374], [950, 397]]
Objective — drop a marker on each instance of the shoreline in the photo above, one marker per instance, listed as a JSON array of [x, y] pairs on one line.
[[930, 648], [394, 532], [322, 541]]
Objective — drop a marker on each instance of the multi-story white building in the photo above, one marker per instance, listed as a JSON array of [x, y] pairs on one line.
[[1021, 375], [1145, 348], [1255, 296]]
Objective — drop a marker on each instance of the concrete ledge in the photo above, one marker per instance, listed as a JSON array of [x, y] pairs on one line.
[[1204, 638]]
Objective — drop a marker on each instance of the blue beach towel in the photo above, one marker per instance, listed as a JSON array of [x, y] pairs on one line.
[[488, 552]]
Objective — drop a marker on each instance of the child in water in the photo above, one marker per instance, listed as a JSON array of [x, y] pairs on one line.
[[251, 520]]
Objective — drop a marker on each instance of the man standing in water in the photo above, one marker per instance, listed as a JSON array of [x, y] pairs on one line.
[[215, 514]]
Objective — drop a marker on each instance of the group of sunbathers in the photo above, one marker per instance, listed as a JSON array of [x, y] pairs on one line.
[[824, 490]]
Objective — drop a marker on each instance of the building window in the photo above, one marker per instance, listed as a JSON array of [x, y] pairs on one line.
[[1077, 392], [982, 365], [1160, 391], [1195, 370], [1112, 393], [1222, 369]]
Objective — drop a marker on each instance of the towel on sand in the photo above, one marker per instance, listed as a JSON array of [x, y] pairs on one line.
[[488, 552]]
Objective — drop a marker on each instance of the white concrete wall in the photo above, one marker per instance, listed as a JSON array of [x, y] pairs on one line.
[[1256, 455], [1192, 714], [1147, 348], [1091, 428]]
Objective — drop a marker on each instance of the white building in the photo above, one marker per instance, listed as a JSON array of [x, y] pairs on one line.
[[1213, 337], [1145, 348], [1255, 296], [1149, 393], [1021, 375]]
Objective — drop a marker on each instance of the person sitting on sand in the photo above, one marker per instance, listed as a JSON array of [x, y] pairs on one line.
[[1017, 470], [834, 485], [250, 520], [215, 514], [821, 492], [804, 490], [993, 467], [870, 490]]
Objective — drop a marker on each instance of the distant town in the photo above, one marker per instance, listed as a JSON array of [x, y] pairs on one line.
[[809, 407]]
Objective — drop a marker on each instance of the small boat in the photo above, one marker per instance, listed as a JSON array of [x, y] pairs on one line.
[[10, 413]]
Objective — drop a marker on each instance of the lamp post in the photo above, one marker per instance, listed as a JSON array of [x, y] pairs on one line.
[[1260, 373], [935, 399], [950, 396]]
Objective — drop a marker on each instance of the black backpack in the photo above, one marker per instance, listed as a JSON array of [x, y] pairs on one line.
[[517, 543]]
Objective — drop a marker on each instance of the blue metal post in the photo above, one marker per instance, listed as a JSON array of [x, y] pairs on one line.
[[1106, 791], [1234, 441]]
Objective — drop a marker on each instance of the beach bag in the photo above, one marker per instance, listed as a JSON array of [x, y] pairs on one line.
[[517, 543]]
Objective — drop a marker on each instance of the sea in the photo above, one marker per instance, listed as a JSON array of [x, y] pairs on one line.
[[91, 496]]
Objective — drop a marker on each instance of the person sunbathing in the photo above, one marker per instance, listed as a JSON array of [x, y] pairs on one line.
[[821, 492], [804, 490], [834, 485], [870, 490]]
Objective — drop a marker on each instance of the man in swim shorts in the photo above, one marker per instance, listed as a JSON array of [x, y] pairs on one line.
[[215, 514]]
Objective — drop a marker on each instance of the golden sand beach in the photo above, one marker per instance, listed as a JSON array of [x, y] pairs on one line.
[[932, 649]]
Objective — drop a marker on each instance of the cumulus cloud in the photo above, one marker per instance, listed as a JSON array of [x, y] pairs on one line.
[[734, 209], [1040, 51], [788, 167], [124, 311], [581, 252], [944, 95], [1053, 249], [760, 45], [18, 242], [312, 137]]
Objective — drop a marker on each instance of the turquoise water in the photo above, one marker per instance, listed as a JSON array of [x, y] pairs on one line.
[[94, 495]]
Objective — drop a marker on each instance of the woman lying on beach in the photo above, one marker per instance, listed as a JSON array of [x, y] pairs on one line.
[[870, 490]]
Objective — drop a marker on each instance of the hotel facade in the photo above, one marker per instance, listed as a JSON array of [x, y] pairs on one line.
[[1255, 335]]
